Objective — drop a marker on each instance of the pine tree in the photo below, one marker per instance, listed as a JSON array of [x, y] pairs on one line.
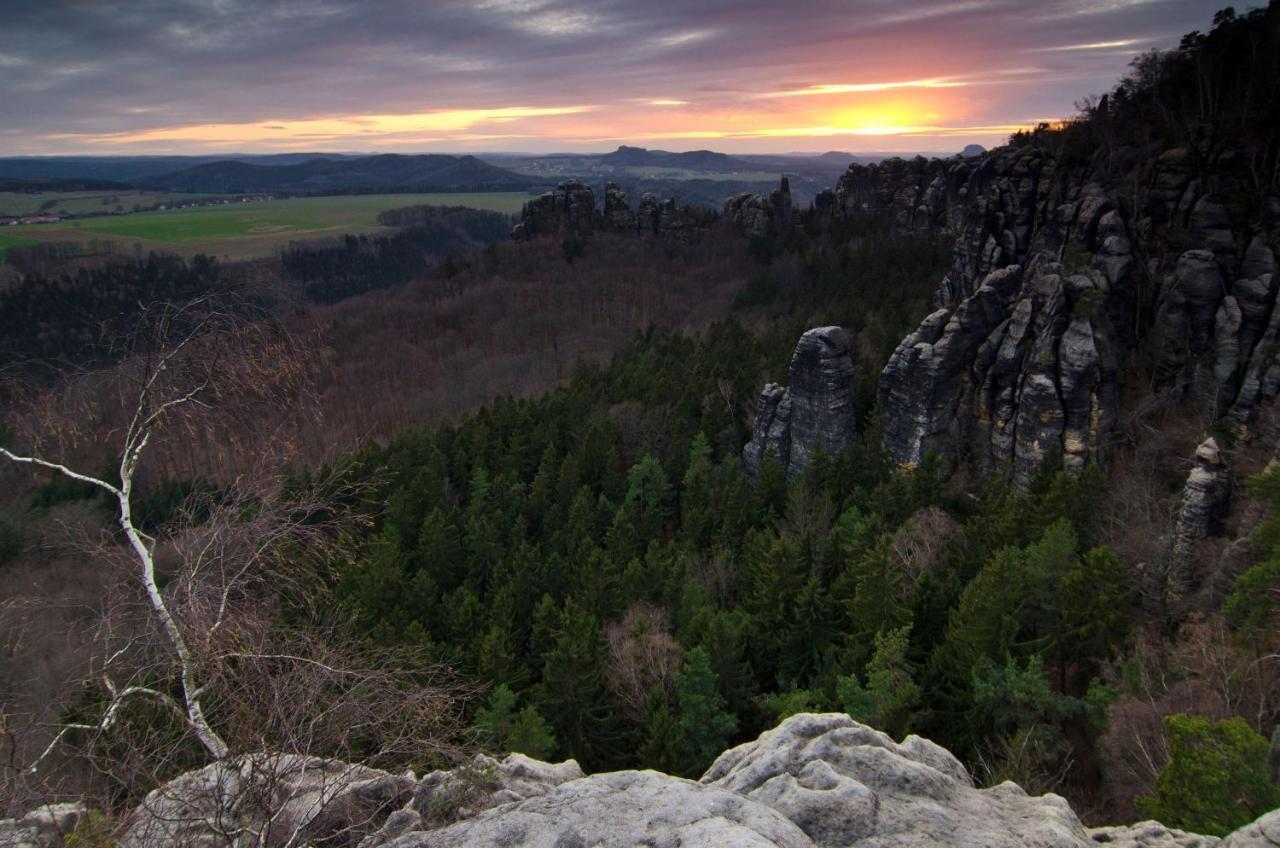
[[1217, 777], [665, 747], [574, 694], [504, 729], [704, 722], [890, 693], [697, 508]]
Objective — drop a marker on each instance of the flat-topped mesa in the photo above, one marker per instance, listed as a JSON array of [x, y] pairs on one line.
[[757, 215], [814, 411]]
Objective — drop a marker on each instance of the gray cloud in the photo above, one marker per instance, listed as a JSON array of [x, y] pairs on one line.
[[69, 67]]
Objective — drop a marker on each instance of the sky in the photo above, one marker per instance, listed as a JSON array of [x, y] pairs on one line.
[[104, 77]]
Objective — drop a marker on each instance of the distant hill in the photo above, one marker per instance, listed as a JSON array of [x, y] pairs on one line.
[[130, 169], [36, 185], [369, 173], [973, 150], [693, 160]]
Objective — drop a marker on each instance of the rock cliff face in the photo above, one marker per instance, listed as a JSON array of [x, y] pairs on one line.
[[815, 409], [1064, 271]]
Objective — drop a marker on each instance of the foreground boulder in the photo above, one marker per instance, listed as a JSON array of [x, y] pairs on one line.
[[273, 796], [264, 799], [815, 781], [43, 827], [845, 784], [623, 808]]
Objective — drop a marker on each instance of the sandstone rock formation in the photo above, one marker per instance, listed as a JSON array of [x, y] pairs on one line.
[[570, 208], [624, 808], [757, 215], [1062, 273], [816, 408], [1263, 833], [1205, 497], [815, 781], [617, 214], [266, 796], [1150, 834], [845, 784], [43, 827]]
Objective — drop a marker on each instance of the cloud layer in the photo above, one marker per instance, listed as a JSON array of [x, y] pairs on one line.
[[146, 76]]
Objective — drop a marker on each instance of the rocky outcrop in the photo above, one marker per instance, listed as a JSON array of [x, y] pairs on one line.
[[1023, 367], [1263, 833], [570, 208], [617, 214], [44, 827], [1150, 834], [1188, 318], [320, 798], [624, 808], [1205, 497], [266, 795], [758, 215], [845, 784], [815, 781], [1062, 271], [814, 410]]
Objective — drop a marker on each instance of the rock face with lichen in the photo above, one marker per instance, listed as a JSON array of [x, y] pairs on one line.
[[814, 411]]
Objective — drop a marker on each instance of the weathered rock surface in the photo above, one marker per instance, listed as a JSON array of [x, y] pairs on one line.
[[1205, 497], [624, 808], [275, 794], [43, 827], [1150, 834], [321, 798], [815, 780], [815, 409], [1263, 833], [1010, 371], [845, 784]]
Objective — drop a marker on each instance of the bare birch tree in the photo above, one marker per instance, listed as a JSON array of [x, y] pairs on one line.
[[200, 661]]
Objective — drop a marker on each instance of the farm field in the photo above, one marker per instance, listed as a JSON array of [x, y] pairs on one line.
[[83, 202], [7, 241], [248, 230]]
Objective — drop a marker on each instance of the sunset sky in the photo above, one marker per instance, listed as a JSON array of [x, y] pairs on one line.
[[192, 76]]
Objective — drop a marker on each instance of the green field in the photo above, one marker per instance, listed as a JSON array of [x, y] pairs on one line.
[[84, 202], [7, 241], [247, 230]]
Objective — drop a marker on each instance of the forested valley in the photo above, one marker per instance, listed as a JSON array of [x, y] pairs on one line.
[[524, 461]]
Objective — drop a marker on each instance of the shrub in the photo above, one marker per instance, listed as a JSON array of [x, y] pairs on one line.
[[1216, 779]]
